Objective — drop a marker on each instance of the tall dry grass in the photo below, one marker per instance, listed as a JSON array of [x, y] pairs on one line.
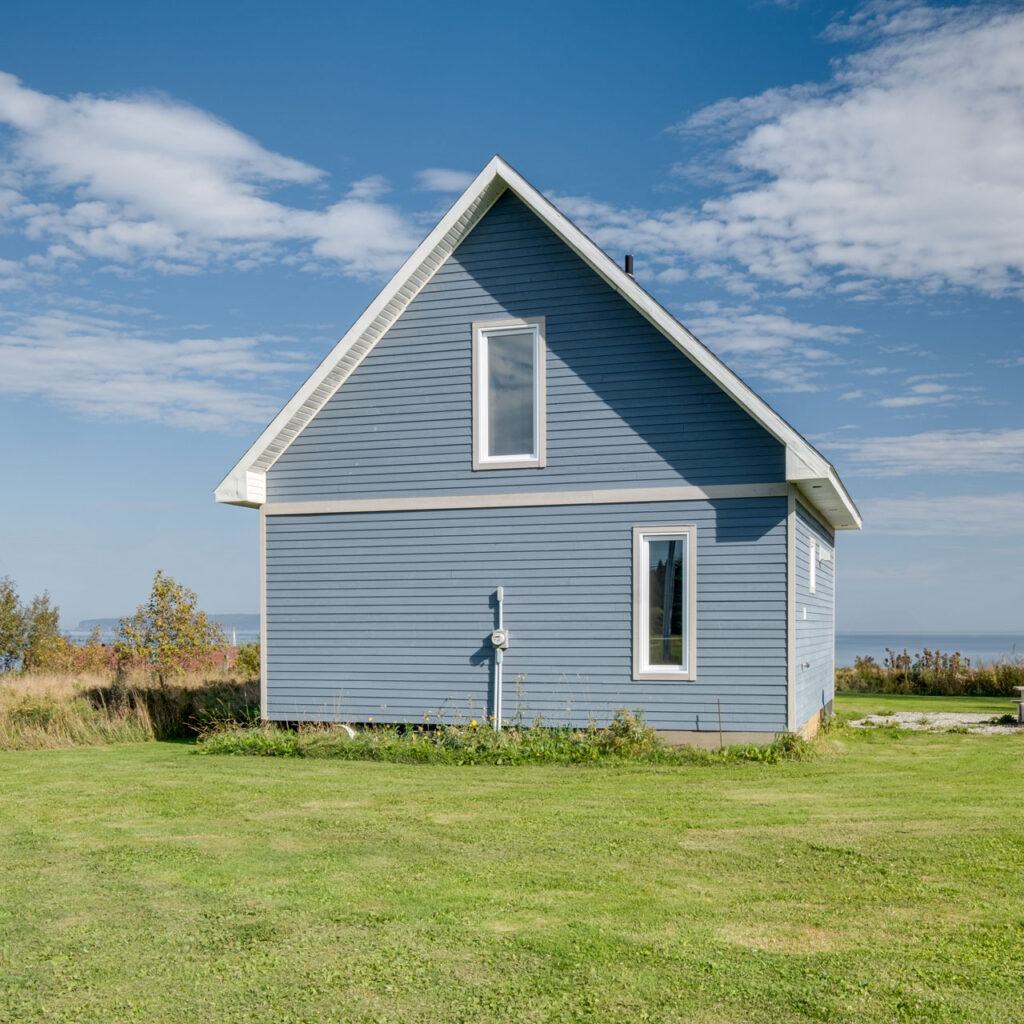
[[932, 673], [50, 710]]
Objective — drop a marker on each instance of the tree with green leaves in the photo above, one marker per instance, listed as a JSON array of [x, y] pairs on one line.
[[247, 661], [12, 626], [168, 631], [43, 638]]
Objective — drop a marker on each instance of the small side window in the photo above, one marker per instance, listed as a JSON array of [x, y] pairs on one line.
[[812, 567], [509, 394], [664, 602]]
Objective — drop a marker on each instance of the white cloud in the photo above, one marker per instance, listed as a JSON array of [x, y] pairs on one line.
[[1009, 362], [148, 180], [103, 369], [929, 389], [934, 451], [905, 167], [439, 179], [786, 354], [920, 394], [364, 236], [879, 18], [733, 116], [993, 515], [11, 275]]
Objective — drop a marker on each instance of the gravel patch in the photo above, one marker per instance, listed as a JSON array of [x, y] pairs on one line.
[[936, 721]]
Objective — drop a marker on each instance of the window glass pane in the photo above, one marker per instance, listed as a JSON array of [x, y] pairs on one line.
[[666, 602], [510, 394]]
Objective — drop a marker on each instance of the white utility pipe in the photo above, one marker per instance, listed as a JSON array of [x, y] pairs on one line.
[[499, 656]]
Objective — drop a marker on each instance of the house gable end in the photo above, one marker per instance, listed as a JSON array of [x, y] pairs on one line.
[[625, 408], [246, 483]]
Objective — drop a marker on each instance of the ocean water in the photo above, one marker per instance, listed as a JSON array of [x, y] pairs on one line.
[[978, 647]]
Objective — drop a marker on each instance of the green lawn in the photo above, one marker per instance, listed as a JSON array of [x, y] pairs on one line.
[[856, 705], [880, 882]]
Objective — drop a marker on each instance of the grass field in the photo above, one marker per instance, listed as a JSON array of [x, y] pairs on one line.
[[857, 705], [879, 882]]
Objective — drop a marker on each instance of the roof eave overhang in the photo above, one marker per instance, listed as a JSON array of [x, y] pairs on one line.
[[821, 488], [246, 483]]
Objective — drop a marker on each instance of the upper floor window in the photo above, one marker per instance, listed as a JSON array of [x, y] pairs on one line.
[[509, 394]]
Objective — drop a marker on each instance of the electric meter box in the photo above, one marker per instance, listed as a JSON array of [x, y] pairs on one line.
[[499, 639]]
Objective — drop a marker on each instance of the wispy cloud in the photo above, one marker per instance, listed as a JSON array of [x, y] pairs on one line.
[[1010, 361], [147, 180], [925, 389], [922, 393], [440, 179], [102, 368], [787, 354], [880, 18], [904, 168], [932, 451], [991, 515]]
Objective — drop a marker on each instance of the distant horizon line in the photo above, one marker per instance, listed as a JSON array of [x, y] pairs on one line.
[[931, 632], [859, 631]]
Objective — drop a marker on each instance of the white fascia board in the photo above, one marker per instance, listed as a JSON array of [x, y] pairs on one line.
[[242, 487], [245, 484], [237, 487]]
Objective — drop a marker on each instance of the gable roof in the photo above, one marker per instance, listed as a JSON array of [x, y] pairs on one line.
[[246, 483]]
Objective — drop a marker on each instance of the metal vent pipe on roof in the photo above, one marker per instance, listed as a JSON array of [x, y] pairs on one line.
[[629, 263]]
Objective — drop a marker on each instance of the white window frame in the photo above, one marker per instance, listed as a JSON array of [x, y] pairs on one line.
[[482, 330], [812, 567], [641, 603]]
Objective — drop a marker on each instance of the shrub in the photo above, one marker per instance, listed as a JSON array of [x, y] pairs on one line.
[[932, 673]]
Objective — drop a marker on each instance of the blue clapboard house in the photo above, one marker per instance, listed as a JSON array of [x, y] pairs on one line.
[[518, 486]]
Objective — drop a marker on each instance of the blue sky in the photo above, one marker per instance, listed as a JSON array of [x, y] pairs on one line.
[[197, 200]]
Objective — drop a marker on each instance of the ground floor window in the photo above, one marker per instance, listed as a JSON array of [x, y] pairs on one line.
[[664, 602]]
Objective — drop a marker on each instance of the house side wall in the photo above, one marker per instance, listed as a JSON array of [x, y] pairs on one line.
[[625, 408], [815, 626], [387, 615]]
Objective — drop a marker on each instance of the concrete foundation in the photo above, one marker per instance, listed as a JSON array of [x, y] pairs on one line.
[[712, 740]]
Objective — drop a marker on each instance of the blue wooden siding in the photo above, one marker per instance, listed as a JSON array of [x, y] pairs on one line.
[[625, 408], [387, 615], [815, 634]]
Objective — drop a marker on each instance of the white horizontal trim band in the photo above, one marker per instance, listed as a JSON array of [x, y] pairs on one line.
[[526, 499]]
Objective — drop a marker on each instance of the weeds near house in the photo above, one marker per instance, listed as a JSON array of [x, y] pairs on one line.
[[626, 740]]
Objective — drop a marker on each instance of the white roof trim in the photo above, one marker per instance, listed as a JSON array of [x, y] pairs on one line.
[[246, 483]]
